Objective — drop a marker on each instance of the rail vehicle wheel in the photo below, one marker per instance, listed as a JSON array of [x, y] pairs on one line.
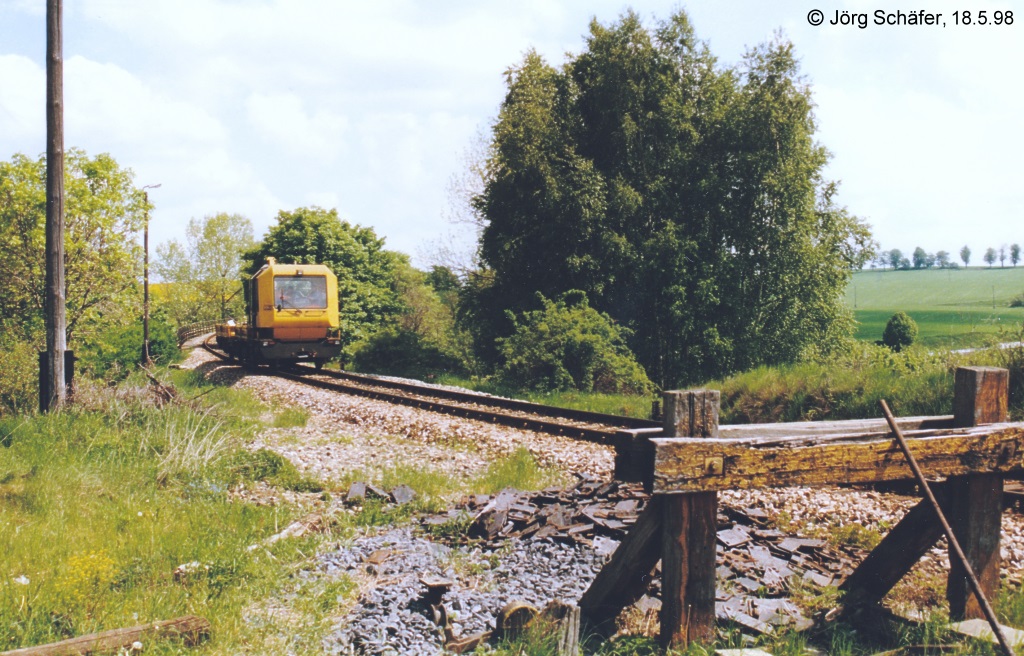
[[318, 364]]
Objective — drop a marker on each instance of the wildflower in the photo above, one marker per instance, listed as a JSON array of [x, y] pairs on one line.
[[22, 580]]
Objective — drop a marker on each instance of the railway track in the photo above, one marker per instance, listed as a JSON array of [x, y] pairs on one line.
[[597, 427], [610, 430]]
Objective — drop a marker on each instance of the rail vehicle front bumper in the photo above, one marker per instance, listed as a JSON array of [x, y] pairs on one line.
[[272, 350]]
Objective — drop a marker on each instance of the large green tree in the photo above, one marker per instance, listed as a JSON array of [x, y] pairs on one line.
[[685, 198], [201, 277], [367, 286], [104, 213]]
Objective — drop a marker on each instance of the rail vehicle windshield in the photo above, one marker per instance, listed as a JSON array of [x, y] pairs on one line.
[[300, 292]]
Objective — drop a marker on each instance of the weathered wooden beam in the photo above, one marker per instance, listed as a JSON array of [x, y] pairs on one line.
[[975, 516], [626, 576], [634, 454], [190, 629], [692, 413], [689, 531], [686, 465], [688, 568], [794, 429], [981, 397]]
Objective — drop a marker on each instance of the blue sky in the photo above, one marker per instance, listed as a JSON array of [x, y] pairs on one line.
[[250, 106]]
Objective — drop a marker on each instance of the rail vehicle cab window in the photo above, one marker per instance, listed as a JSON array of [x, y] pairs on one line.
[[300, 292]]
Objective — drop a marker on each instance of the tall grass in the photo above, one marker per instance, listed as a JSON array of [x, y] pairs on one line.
[[97, 509], [913, 382]]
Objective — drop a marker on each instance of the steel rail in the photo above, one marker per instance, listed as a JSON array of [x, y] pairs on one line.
[[594, 427], [496, 401]]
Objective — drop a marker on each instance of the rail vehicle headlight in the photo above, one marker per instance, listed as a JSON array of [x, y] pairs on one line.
[[267, 342], [333, 341]]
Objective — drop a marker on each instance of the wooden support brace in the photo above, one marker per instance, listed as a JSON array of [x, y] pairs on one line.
[[901, 548], [626, 576], [981, 396]]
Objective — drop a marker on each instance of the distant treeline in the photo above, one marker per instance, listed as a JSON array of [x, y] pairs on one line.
[[922, 259]]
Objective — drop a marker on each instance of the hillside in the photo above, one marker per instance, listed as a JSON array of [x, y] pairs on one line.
[[953, 308]]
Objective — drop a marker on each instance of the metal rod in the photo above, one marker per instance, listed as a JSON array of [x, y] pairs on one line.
[[990, 615]]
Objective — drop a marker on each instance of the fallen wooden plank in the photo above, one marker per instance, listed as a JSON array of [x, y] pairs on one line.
[[190, 629], [690, 465]]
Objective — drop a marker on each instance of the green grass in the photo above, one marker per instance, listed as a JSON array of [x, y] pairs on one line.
[[952, 308], [99, 504], [293, 417]]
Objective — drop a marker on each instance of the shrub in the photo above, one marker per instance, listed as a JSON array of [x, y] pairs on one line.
[[113, 353], [1017, 301], [901, 331], [569, 345], [400, 352], [19, 378]]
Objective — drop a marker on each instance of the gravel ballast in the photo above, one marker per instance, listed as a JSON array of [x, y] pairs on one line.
[[349, 434]]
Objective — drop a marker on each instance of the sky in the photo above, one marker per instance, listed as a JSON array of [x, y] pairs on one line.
[[374, 108]]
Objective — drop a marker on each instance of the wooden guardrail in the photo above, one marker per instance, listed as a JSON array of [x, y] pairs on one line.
[[186, 333]]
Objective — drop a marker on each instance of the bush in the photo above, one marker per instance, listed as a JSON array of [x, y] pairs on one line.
[[1017, 301], [19, 378], [114, 353], [569, 345], [398, 352], [901, 331]]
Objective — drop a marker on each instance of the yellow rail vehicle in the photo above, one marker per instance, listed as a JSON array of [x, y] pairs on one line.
[[292, 316]]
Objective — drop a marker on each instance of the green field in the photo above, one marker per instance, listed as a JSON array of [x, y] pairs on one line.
[[952, 308]]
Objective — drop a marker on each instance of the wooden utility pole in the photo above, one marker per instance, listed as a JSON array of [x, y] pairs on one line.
[[54, 390], [146, 360]]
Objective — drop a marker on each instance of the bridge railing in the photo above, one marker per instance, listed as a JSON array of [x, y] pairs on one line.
[[192, 330]]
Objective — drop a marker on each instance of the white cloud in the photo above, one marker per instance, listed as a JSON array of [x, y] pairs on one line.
[[254, 106], [110, 104], [22, 106], [283, 120]]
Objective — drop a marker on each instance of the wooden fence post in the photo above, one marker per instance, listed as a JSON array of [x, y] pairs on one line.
[[981, 396], [689, 531]]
